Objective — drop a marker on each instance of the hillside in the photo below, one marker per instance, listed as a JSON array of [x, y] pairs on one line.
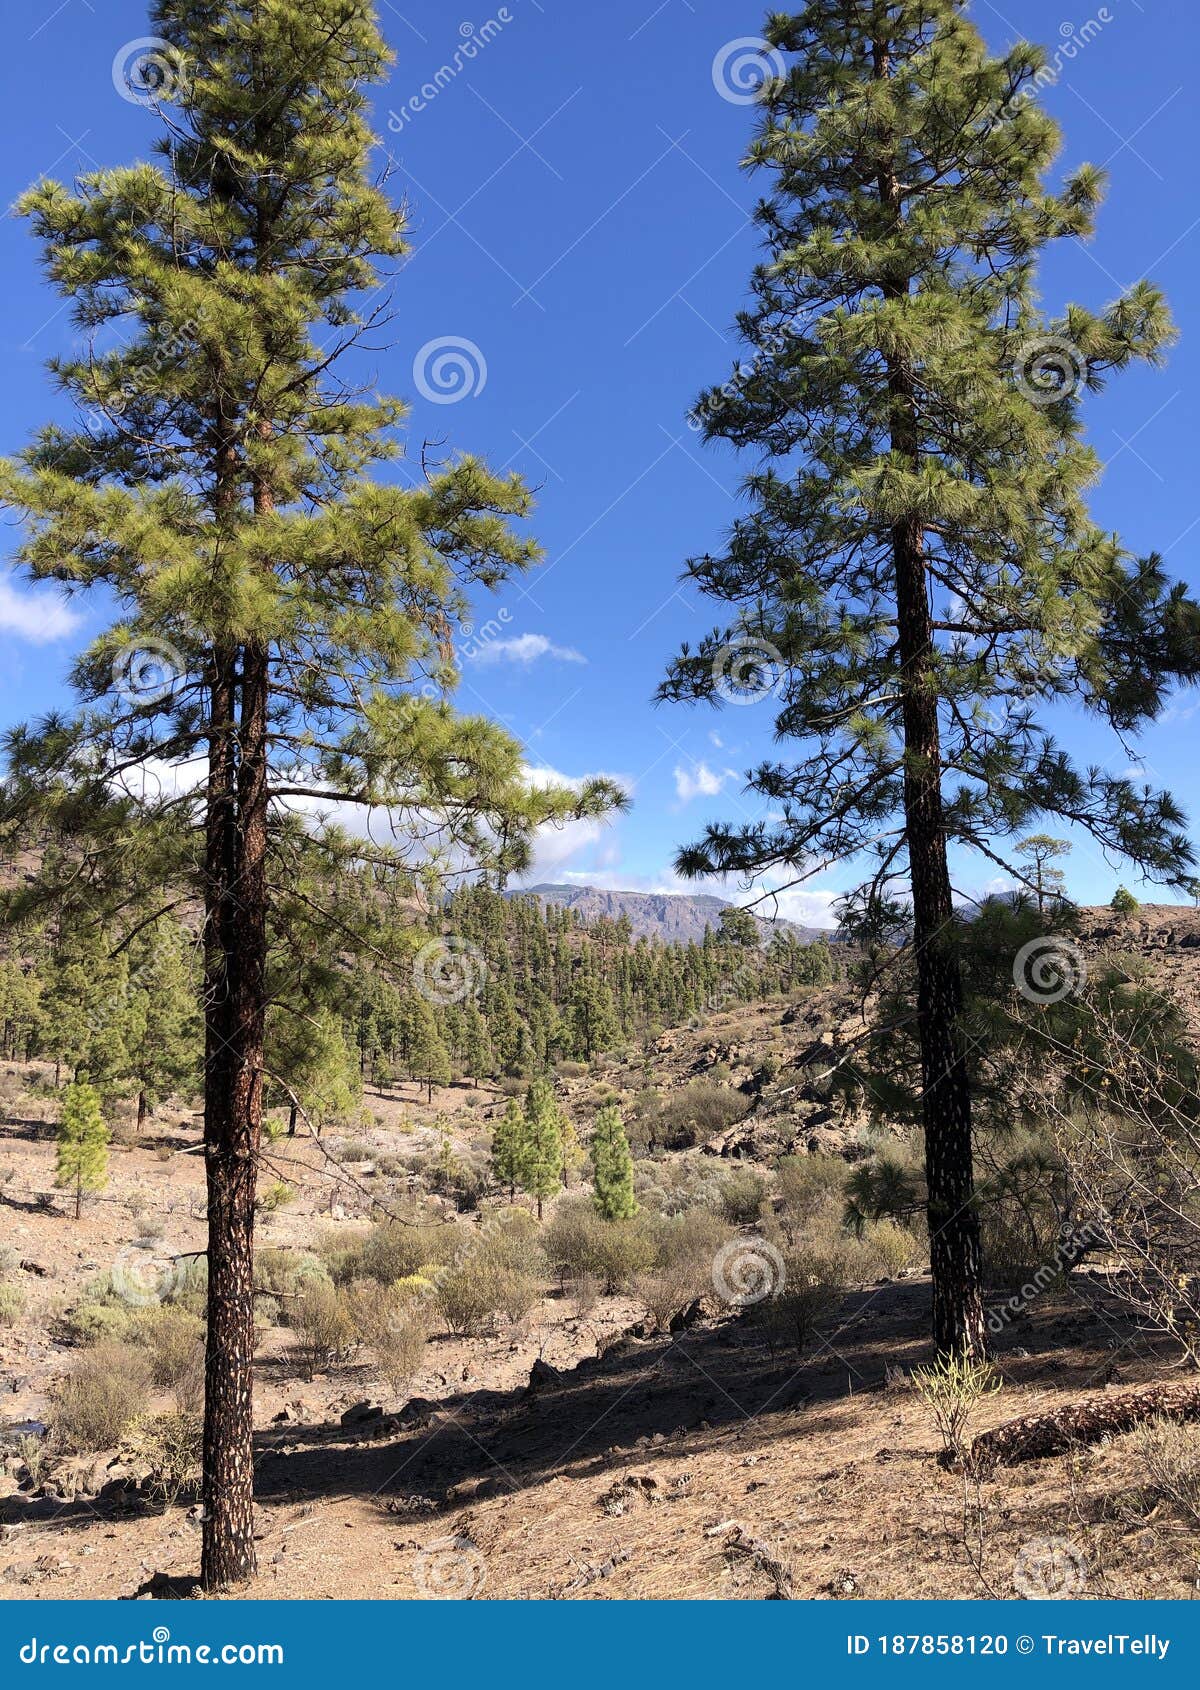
[[573, 1442], [672, 917]]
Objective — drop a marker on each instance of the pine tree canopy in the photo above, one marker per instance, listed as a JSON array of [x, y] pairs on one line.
[[228, 487], [901, 380]]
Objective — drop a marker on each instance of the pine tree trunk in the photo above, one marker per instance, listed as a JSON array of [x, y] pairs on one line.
[[234, 1019], [955, 1260], [142, 1111], [292, 1117]]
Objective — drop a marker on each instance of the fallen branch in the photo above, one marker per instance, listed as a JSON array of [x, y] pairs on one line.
[[1036, 1435], [741, 1543]]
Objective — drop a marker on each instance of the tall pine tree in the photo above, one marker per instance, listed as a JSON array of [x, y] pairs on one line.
[[917, 572], [286, 621]]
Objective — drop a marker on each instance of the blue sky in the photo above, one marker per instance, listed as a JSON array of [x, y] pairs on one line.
[[581, 243]]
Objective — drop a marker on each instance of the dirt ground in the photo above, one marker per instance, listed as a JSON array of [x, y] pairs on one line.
[[682, 1465]]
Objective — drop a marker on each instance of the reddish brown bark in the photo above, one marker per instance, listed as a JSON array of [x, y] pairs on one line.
[[955, 1256], [1036, 1435]]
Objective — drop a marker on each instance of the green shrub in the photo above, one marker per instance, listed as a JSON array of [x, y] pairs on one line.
[[12, 1301], [467, 1295], [389, 1251], [810, 1184], [698, 1112], [286, 1274], [952, 1389], [276, 1196], [578, 1241], [107, 1389], [323, 1327], [742, 1198], [394, 1325], [892, 1247], [173, 1340]]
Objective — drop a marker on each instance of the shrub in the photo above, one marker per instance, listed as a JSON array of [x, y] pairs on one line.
[[173, 1340], [393, 1324], [12, 1301], [354, 1151], [693, 1237], [584, 1292], [170, 1446], [668, 1290], [892, 1246], [324, 1330], [286, 1274], [699, 1111], [811, 1184], [742, 1198], [108, 1388], [572, 1238], [684, 1248], [276, 1196], [390, 1251], [1170, 1454], [805, 1299], [467, 1295], [952, 1389]]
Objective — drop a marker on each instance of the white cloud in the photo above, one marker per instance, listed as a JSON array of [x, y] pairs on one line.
[[526, 649], [34, 616], [698, 782], [555, 846]]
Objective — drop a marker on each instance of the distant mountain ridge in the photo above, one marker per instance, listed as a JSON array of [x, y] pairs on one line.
[[674, 917]]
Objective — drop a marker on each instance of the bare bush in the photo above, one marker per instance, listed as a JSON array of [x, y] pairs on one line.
[[1170, 1454], [107, 1389], [169, 1446]]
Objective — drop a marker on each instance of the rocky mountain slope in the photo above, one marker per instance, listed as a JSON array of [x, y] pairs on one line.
[[673, 917]]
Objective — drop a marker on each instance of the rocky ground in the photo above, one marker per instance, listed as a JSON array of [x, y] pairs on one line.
[[576, 1453]]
